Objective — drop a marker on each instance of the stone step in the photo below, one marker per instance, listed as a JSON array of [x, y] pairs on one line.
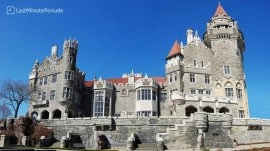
[[147, 146]]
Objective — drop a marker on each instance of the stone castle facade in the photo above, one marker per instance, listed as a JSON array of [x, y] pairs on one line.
[[203, 75]]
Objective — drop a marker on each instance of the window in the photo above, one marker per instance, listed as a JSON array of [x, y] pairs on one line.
[[154, 95], [170, 77], [192, 77], [45, 80], [67, 92], [194, 63], [227, 70], [69, 75], [202, 63], [192, 91], [40, 81], [175, 76], [229, 92], [207, 92], [52, 95], [144, 94], [162, 96], [39, 96], [138, 94], [241, 113], [239, 93], [107, 106], [99, 103], [200, 91], [70, 60], [43, 95], [207, 79], [54, 78]]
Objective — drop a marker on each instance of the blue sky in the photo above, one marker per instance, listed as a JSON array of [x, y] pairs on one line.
[[120, 35]]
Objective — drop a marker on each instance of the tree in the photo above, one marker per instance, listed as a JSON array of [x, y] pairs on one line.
[[14, 93], [5, 111]]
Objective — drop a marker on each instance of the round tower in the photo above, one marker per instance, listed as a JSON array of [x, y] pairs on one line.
[[227, 44]]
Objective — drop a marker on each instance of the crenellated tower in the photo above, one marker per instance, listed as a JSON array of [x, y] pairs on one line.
[[226, 41]]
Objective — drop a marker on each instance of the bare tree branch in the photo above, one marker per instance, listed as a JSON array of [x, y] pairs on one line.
[[15, 93]]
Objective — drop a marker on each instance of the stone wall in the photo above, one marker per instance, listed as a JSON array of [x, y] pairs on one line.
[[216, 130]]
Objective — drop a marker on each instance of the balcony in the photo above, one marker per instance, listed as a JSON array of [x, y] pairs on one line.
[[178, 98], [44, 103]]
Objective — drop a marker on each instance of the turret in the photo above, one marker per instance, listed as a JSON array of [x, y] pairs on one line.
[[70, 49], [189, 36]]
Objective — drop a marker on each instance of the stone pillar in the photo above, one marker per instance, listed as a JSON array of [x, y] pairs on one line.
[[130, 142], [63, 142], [227, 124], [200, 119], [26, 141], [160, 142], [3, 141]]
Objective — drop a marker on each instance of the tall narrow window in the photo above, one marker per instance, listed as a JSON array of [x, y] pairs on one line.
[[193, 91], [70, 60], [229, 92], [138, 94], [40, 81], [162, 97], [54, 78], [99, 103], [43, 95], [170, 77], [194, 63], [45, 80], [239, 93], [202, 63], [69, 75], [207, 79], [227, 70], [201, 92], [39, 96], [241, 114], [107, 106], [67, 92], [52, 95], [154, 95], [175, 76], [192, 77]]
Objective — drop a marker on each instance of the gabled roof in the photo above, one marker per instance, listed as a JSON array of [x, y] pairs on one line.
[[176, 49], [220, 10]]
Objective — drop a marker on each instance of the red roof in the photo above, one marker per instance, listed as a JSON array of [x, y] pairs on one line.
[[176, 49], [220, 10], [123, 80]]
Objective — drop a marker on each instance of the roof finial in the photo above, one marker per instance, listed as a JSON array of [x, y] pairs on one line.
[[99, 78]]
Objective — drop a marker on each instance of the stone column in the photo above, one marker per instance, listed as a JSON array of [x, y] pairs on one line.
[[63, 143], [227, 124], [25, 140], [160, 142], [130, 142], [3, 140], [200, 119]]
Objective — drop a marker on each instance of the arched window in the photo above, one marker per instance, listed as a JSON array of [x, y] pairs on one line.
[[57, 113], [44, 114], [208, 109], [224, 110], [34, 114], [190, 109]]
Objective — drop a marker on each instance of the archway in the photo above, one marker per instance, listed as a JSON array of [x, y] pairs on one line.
[[34, 115], [190, 109], [224, 110], [208, 109], [44, 114], [57, 113]]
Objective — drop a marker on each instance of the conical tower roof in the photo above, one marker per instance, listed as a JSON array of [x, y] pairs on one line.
[[220, 10], [176, 49]]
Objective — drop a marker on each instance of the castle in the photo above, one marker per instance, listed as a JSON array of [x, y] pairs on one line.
[[202, 76], [206, 74]]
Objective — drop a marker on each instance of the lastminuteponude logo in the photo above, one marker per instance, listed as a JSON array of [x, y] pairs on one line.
[[12, 10]]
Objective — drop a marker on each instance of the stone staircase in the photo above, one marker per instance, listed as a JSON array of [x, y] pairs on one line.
[[147, 147]]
